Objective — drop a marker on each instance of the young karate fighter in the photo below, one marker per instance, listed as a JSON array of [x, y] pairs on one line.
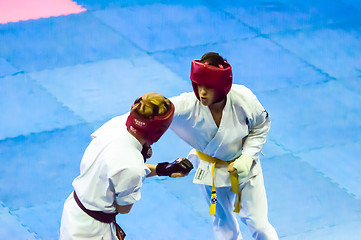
[[227, 127], [113, 168]]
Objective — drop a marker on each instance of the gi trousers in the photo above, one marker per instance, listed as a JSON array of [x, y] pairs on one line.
[[254, 212]]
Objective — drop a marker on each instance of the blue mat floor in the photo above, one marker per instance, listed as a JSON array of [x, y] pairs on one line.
[[63, 77]]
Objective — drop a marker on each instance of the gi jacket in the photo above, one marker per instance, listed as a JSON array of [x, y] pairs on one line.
[[112, 168], [243, 130]]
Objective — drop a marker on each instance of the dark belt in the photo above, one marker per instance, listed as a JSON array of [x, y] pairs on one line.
[[102, 217]]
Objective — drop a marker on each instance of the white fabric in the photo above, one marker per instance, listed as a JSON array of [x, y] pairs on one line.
[[253, 213], [77, 225], [243, 130], [115, 122], [112, 171], [243, 165]]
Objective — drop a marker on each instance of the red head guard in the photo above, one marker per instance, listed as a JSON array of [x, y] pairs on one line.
[[219, 79], [149, 129]]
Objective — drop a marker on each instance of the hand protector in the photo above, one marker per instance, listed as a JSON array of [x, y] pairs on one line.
[[243, 165], [180, 165]]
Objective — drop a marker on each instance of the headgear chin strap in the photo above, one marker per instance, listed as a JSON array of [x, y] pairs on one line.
[[152, 128], [219, 79]]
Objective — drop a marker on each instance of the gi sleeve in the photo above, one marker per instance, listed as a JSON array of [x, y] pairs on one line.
[[183, 116], [127, 184], [259, 125], [183, 104]]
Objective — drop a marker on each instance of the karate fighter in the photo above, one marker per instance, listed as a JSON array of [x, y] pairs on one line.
[[227, 126], [113, 168]]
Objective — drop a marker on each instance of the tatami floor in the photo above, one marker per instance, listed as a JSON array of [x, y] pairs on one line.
[[68, 67]]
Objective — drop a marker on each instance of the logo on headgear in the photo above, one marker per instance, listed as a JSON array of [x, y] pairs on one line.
[[139, 123], [131, 128]]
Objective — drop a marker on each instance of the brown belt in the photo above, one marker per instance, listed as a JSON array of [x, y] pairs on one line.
[[102, 217]]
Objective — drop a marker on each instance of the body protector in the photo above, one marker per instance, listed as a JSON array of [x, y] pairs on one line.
[[149, 128], [217, 78]]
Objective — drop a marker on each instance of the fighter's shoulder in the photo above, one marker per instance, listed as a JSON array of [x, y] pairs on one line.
[[243, 97], [241, 90], [115, 122], [240, 93]]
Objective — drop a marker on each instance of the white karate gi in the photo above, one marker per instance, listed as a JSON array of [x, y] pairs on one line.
[[112, 171], [242, 130]]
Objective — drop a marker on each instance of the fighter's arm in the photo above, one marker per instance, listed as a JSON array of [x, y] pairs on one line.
[[257, 119], [259, 124], [127, 184], [252, 146]]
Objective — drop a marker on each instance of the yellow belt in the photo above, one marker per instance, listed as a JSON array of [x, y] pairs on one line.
[[233, 178]]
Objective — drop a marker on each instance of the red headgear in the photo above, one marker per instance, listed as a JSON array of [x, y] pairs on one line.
[[152, 128], [219, 79]]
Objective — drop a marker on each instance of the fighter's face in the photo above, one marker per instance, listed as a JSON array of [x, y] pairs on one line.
[[206, 95]]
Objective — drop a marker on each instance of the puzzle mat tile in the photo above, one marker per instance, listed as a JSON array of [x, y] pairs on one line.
[[354, 4], [6, 68], [28, 108], [350, 230], [101, 90], [338, 58], [301, 199], [352, 83], [256, 63], [93, 5], [312, 103], [11, 227], [269, 17], [340, 163], [312, 137], [173, 26], [43, 219], [313, 116], [61, 41], [272, 149], [46, 162]]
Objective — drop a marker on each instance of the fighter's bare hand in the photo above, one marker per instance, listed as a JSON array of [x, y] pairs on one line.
[[232, 170]]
